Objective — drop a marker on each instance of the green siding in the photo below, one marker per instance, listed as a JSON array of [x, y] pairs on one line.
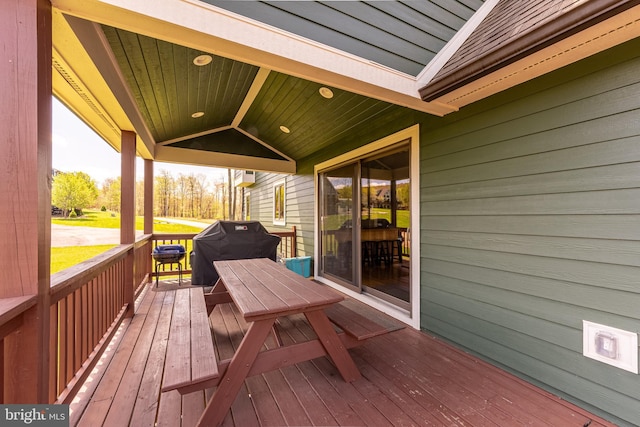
[[530, 223], [530, 214]]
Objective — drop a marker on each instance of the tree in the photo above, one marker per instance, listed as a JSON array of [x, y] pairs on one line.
[[73, 190], [110, 196], [164, 187]]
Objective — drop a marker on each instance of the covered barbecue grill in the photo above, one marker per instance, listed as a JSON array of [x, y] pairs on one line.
[[227, 240]]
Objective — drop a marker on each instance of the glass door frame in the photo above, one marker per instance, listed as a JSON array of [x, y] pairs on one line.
[[356, 283], [411, 134]]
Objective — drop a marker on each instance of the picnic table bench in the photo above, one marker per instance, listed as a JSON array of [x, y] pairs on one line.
[[263, 291], [191, 359]]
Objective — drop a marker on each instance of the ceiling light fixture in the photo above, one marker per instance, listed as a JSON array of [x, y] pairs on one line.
[[202, 60], [326, 92], [197, 114], [285, 129]]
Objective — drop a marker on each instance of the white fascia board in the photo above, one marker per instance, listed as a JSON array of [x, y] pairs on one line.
[[205, 27]]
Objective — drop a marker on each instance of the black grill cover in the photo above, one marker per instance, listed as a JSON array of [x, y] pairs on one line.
[[226, 240]]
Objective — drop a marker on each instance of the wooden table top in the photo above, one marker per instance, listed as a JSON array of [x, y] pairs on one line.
[[262, 289]]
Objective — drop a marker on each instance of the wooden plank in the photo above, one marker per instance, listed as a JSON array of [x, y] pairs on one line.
[[100, 402], [328, 407], [283, 397], [356, 325], [169, 409], [476, 382], [580, 387], [523, 402], [445, 416], [177, 369], [241, 362], [417, 408], [14, 306], [333, 345], [124, 399], [147, 401], [261, 393], [246, 301], [203, 357], [192, 406], [398, 369], [260, 299], [227, 335], [445, 395], [553, 363], [190, 353]]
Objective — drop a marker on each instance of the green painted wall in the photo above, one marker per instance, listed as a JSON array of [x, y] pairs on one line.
[[530, 223]]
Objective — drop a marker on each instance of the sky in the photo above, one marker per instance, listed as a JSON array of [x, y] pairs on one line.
[[77, 148]]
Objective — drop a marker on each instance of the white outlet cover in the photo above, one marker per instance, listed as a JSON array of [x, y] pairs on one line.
[[627, 345]]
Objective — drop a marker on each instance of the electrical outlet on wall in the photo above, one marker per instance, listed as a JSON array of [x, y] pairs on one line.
[[610, 345]]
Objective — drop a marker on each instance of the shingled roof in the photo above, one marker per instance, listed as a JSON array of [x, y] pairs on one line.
[[513, 30]]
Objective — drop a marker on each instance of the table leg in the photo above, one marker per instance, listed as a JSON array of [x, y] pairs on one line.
[[236, 373], [333, 345]]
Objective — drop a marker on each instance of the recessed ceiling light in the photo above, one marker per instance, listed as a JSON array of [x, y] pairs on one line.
[[284, 129], [197, 114], [202, 60], [326, 92]]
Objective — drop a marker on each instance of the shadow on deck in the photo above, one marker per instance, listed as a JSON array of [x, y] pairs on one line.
[[409, 378]]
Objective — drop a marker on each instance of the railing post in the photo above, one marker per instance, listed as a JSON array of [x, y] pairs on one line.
[[294, 249], [148, 209], [25, 190], [128, 212]]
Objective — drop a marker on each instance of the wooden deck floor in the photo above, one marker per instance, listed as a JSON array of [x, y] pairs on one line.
[[409, 379]]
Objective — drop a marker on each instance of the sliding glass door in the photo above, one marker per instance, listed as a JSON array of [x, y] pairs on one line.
[[365, 224], [337, 208]]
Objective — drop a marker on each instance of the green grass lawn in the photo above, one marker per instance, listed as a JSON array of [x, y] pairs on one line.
[[68, 256], [100, 219]]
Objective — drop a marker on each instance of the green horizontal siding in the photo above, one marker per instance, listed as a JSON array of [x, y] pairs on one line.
[[530, 214]]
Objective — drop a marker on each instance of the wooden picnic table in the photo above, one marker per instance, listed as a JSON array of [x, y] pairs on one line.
[[263, 290]]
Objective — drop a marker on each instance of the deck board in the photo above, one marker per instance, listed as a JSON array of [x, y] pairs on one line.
[[408, 378]]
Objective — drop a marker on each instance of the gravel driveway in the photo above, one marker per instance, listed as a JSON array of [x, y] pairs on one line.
[[71, 235]]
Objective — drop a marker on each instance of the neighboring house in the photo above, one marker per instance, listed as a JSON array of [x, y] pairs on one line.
[[521, 155]]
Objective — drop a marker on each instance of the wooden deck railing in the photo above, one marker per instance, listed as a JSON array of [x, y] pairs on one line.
[[87, 306], [286, 249], [88, 302], [11, 319], [142, 262], [288, 244]]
